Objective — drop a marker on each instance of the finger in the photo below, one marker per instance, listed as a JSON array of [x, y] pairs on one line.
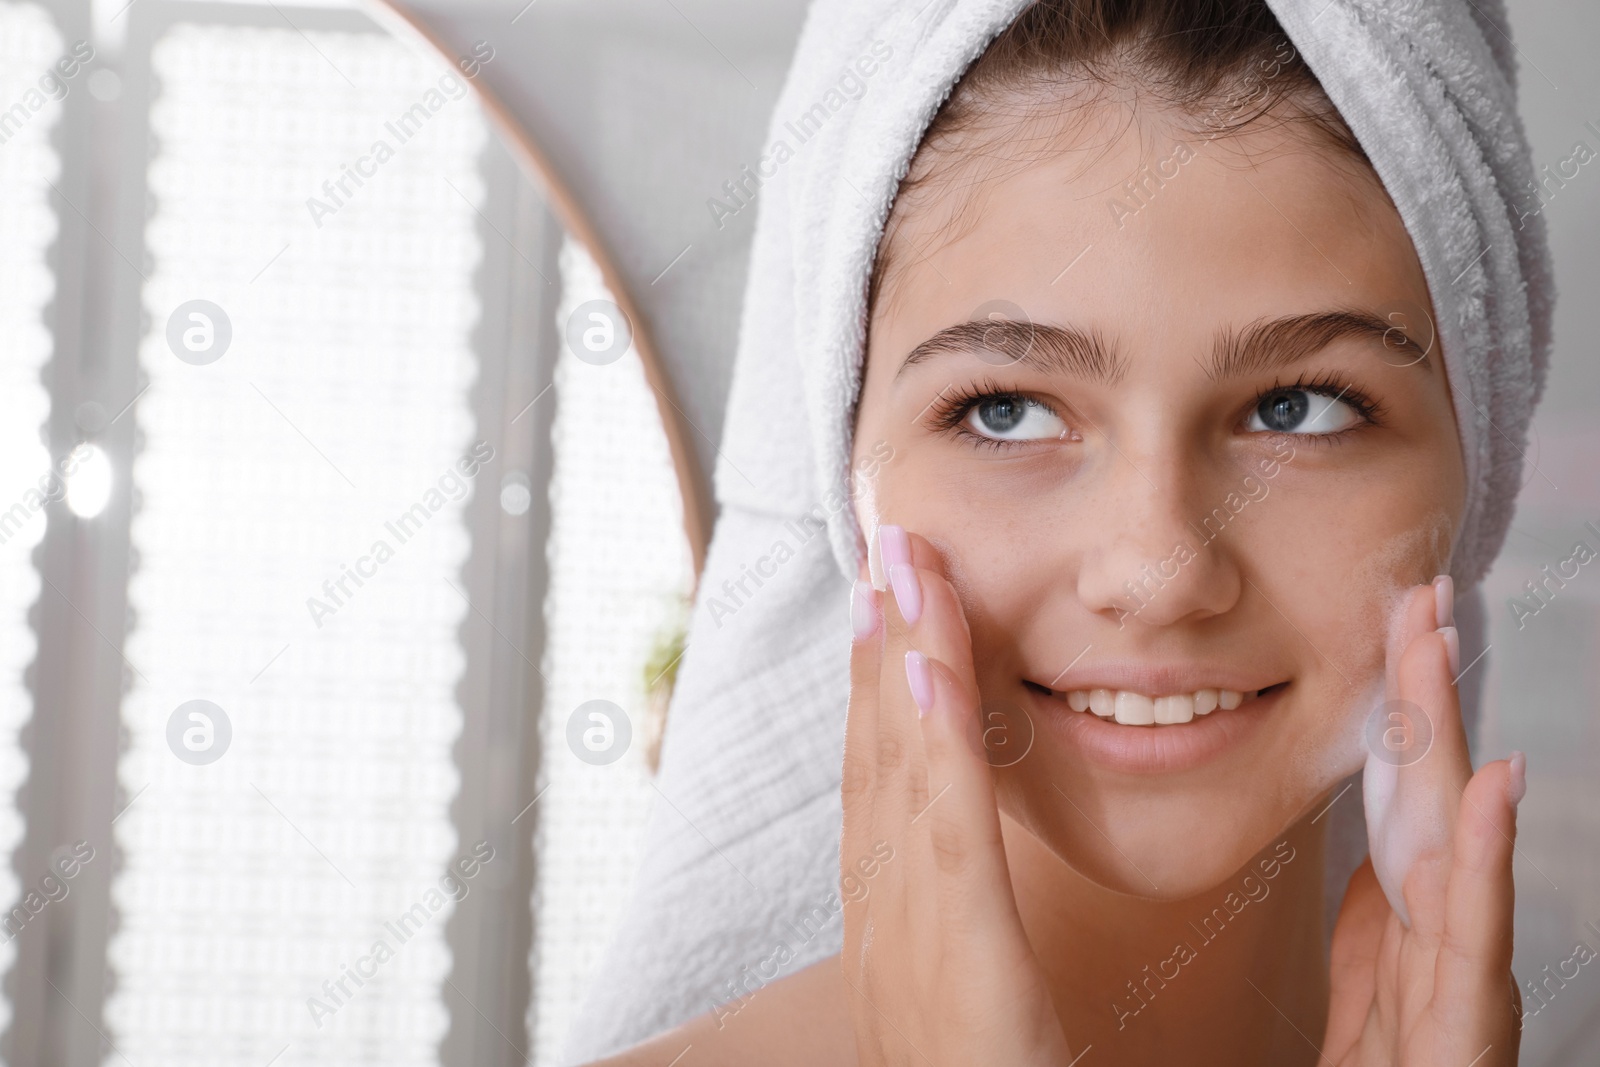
[[1352, 965], [1412, 791], [1428, 791], [858, 775], [1421, 611], [975, 897], [938, 635], [861, 719], [901, 768], [1475, 951], [940, 631]]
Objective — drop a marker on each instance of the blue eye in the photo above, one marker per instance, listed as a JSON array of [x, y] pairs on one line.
[[1301, 411], [1014, 418]]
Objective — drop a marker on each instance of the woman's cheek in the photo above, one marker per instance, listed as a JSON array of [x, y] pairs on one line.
[[1358, 570], [1335, 553], [1407, 558]]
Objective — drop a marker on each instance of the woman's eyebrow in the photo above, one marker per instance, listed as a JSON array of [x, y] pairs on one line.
[[1278, 343], [1007, 342]]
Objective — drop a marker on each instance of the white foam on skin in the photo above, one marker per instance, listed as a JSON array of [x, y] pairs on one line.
[[868, 518], [1406, 815], [1404, 819], [1404, 823], [1347, 752]]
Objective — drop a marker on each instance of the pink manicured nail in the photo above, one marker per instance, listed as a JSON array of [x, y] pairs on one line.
[[1444, 601], [1518, 785], [894, 546], [1452, 646], [907, 591], [920, 677], [863, 613]]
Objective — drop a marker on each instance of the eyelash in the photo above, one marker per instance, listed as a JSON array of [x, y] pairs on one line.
[[1329, 385], [948, 414]]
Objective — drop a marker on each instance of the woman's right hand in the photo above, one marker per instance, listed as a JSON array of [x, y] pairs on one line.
[[938, 967], [1421, 971]]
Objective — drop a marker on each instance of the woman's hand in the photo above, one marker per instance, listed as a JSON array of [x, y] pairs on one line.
[[938, 967], [1426, 981]]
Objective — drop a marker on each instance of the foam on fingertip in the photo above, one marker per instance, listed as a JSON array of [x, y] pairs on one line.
[[1406, 816]]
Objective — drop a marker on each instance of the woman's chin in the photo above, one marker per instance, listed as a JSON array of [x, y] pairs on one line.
[[1168, 856], [1182, 876]]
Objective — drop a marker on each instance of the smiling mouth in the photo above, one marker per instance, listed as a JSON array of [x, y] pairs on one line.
[[1131, 708]]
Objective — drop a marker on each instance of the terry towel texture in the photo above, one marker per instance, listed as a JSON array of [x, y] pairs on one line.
[[741, 866]]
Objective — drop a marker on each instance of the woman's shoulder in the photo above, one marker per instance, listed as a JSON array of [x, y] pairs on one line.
[[802, 1020]]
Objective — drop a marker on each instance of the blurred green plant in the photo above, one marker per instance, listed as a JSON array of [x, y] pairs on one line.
[[661, 675]]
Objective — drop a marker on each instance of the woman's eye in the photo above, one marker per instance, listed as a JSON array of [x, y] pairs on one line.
[[1302, 411], [1015, 418]]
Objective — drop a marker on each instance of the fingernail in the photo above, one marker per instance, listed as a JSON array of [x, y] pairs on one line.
[[919, 676], [863, 613], [875, 573], [1518, 785], [1444, 600], [907, 591], [1452, 647], [894, 545]]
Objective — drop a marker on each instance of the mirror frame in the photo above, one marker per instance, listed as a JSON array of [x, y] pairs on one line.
[[535, 164]]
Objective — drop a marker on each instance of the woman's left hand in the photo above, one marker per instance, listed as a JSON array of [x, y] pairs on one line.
[[1428, 983]]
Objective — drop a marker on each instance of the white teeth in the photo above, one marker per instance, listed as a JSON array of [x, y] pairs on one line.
[[1137, 709], [1178, 708]]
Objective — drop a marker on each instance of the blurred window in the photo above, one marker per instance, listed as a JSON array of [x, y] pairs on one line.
[[350, 535], [29, 164]]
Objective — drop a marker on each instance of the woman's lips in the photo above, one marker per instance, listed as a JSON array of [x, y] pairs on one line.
[[1152, 748]]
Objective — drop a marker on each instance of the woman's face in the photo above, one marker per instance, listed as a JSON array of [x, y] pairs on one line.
[[1173, 412]]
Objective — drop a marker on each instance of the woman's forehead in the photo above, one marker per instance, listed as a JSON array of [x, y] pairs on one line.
[[1155, 231]]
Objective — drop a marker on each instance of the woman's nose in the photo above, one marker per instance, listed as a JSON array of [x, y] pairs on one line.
[[1157, 564]]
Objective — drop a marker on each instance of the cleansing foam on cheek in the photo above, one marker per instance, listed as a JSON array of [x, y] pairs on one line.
[[864, 493], [1407, 784]]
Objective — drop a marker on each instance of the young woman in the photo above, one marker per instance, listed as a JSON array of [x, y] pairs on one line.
[[1160, 556]]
